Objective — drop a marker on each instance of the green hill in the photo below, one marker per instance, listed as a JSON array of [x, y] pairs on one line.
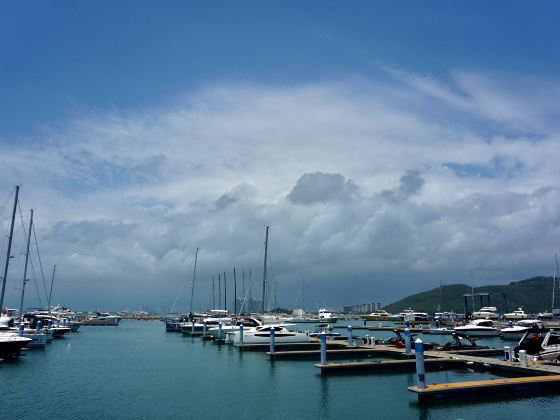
[[533, 295]]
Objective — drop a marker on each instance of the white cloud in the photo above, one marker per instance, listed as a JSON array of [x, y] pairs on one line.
[[406, 182]]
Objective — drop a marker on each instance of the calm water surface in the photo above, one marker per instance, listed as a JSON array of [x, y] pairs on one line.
[[138, 371]]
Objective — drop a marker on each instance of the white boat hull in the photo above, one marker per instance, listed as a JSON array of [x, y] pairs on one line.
[[477, 332], [264, 337]]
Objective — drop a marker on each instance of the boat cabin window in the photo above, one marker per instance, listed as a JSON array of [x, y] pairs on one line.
[[554, 340]]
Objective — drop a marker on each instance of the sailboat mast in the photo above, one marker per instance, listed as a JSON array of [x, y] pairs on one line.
[[213, 293], [219, 291], [25, 267], [251, 290], [50, 292], [554, 279], [9, 249], [225, 292], [234, 292], [193, 279], [264, 270]]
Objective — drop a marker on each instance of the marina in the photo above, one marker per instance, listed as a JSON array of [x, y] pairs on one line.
[[89, 357]]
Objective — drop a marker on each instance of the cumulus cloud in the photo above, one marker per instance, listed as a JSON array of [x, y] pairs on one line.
[[372, 188], [320, 187]]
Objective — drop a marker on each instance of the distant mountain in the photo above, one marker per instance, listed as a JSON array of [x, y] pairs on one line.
[[533, 295]]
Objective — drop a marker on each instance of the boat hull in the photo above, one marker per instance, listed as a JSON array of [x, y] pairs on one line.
[[478, 332]]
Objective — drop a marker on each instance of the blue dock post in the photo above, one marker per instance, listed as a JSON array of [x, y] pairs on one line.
[[58, 323], [49, 323], [507, 353], [219, 332], [192, 327], [204, 329], [407, 344], [272, 340], [510, 323], [38, 327], [323, 338], [241, 335], [350, 341], [21, 328], [420, 369], [437, 323]]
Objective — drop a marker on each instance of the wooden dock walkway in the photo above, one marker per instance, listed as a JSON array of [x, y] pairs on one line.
[[384, 366], [488, 388]]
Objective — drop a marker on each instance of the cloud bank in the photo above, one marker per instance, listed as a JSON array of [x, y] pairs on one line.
[[373, 189]]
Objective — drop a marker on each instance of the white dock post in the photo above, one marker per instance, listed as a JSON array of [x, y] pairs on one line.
[[219, 332], [523, 357], [420, 368], [323, 338], [21, 328], [192, 327], [407, 343], [350, 341], [507, 353], [241, 335], [272, 340]]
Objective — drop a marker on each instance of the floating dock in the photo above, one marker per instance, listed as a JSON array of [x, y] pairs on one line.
[[384, 366], [488, 388]]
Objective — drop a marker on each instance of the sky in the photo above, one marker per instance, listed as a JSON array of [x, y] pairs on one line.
[[389, 145]]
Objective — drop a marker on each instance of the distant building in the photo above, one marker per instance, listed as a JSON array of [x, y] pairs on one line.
[[363, 308]]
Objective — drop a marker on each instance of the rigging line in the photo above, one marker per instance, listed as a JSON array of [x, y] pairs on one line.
[[35, 281], [178, 294], [251, 271], [40, 262]]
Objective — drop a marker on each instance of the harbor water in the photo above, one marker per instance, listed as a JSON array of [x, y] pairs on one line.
[[137, 371]]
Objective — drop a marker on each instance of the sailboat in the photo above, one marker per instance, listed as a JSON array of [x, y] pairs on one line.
[[555, 312]]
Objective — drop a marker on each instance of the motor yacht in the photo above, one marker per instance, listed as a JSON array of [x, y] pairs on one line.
[[261, 335], [102, 318], [225, 331], [379, 315], [486, 312], [519, 329], [519, 314], [478, 328]]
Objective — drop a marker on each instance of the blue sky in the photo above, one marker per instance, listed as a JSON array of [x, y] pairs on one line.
[[380, 140]]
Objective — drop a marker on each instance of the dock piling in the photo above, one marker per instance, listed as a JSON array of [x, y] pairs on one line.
[[323, 338], [523, 357], [192, 327], [350, 341], [420, 368], [21, 328], [241, 335], [272, 340], [407, 341], [220, 332], [507, 353]]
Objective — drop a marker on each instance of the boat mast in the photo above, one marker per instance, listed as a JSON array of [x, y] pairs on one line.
[[50, 293], [250, 290], [219, 291], [213, 293], [234, 292], [225, 292], [554, 279], [25, 267], [193, 278], [264, 270], [8, 256]]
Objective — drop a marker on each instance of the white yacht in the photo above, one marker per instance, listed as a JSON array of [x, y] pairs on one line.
[[410, 315], [519, 314], [326, 316], [247, 323], [517, 331], [478, 328], [103, 318], [486, 312], [261, 335], [187, 327]]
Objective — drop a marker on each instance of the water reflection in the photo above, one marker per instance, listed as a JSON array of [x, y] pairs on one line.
[[325, 398]]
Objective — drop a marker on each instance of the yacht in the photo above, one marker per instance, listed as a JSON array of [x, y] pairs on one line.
[[521, 327], [11, 344], [519, 314], [261, 335], [540, 345], [187, 327], [478, 328], [410, 315], [379, 315], [326, 316], [486, 312], [103, 318], [247, 323]]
